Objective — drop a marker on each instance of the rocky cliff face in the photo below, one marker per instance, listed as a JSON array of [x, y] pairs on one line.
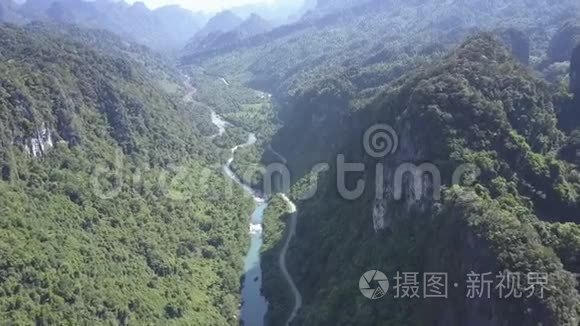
[[518, 42], [40, 143], [429, 126], [430, 122], [575, 71], [564, 41]]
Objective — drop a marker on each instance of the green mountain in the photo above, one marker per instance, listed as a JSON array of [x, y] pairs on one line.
[[278, 12], [507, 220], [419, 138], [254, 25], [112, 209], [467, 89], [220, 24], [166, 28], [180, 23]]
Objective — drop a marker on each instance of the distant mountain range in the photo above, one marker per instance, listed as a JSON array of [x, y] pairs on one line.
[[222, 22], [170, 28], [227, 28], [7, 11], [166, 28], [322, 4], [319, 8], [278, 13]]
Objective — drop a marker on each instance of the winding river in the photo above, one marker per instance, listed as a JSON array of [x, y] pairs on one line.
[[254, 304]]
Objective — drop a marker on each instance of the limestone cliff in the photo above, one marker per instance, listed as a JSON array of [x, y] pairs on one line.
[[575, 71], [411, 217]]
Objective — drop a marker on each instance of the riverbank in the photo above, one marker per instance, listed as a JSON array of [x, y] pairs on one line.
[[279, 227], [282, 261], [264, 283], [254, 305]]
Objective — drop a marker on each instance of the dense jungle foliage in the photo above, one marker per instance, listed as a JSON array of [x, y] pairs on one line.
[[503, 222], [113, 211]]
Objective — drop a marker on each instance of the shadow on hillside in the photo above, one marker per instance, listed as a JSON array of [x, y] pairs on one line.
[[274, 286]]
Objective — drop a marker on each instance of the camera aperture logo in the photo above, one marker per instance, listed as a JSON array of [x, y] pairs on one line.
[[380, 140], [373, 284]]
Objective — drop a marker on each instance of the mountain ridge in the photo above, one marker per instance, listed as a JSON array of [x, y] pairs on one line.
[[165, 28]]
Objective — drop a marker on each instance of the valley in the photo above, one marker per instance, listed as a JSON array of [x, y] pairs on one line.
[[254, 305], [252, 166]]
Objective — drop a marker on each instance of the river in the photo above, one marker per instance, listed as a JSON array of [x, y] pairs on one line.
[[254, 304]]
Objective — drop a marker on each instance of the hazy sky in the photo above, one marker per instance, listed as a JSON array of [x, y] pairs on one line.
[[203, 5]]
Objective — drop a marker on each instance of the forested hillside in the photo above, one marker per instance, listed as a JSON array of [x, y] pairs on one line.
[[487, 85], [500, 223], [378, 40], [113, 211]]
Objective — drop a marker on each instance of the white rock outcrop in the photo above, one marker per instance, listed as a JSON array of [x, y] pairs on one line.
[[41, 143], [379, 212]]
